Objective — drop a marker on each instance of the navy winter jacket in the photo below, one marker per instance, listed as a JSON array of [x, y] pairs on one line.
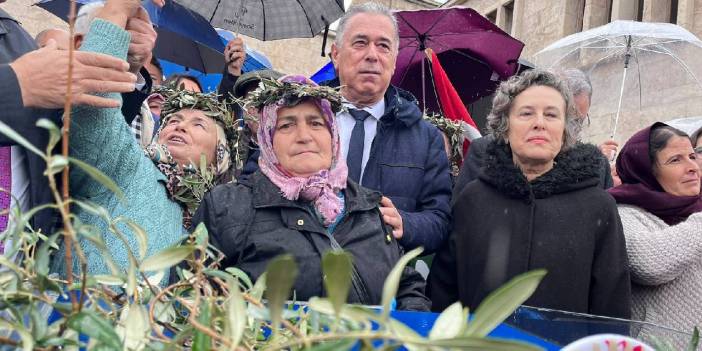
[[408, 164]]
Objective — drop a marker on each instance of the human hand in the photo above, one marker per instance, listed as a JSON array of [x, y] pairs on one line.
[[616, 181], [119, 11], [391, 217], [143, 40], [234, 56], [92, 73], [159, 3], [609, 149]]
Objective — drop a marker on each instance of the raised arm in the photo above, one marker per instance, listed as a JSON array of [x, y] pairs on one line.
[[99, 136]]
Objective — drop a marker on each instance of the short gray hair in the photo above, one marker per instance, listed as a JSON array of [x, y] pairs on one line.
[[498, 119], [370, 8], [86, 15], [578, 82]]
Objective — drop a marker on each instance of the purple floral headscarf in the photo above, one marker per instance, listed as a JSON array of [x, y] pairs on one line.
[[320, 188]]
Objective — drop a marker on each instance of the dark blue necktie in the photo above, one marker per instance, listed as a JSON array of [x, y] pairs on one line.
[[354, 159]]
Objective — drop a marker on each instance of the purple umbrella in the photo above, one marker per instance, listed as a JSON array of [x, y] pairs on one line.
[[474, 52]]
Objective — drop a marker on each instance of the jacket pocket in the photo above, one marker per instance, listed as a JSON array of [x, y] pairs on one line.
[[402, 182]]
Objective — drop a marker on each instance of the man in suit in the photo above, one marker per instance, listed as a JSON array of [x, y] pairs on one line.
[[386, 143]]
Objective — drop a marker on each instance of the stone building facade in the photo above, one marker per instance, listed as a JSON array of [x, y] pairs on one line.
[[537, 23], [540, 23]]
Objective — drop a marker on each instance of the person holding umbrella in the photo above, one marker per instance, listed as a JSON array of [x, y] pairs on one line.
[[387, 145], [234, 56]]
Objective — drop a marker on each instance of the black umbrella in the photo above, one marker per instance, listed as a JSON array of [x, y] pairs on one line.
[[269, 19]]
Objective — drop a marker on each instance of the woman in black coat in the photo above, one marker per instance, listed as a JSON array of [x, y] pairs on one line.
[[536, 204], [300, 202]]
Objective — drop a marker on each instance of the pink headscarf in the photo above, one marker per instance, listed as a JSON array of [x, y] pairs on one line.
[[320, 188]]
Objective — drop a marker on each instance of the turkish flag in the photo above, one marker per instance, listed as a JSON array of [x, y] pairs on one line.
[[450, 102]]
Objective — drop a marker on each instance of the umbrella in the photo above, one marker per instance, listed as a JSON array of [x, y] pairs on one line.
[[640, 72], [254, 61], [688, 125], [474, 52], [269, 19], [327, 72], [184, 37]]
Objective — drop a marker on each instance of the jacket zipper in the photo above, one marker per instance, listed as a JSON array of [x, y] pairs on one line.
[[356, 281]]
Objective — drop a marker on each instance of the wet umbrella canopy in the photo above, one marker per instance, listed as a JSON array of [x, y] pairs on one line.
[[474, 52], [640, 72], [269, 19]]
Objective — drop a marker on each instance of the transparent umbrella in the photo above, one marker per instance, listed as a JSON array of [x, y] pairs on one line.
[[640, 72]]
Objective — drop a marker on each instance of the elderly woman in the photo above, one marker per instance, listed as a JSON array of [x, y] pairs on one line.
[[301, 202], [661, 210], [536, 204], [159, 194]]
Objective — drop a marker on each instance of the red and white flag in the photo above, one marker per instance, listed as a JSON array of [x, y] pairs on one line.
[[450, 101]]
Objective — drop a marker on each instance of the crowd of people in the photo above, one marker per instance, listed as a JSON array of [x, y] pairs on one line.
[[276, 164]]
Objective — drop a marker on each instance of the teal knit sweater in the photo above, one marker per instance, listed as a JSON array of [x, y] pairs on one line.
[[101, 138]]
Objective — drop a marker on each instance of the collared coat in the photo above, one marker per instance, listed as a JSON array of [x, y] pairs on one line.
[[252, 223], [470, 170], [409, 165], [562, 221]]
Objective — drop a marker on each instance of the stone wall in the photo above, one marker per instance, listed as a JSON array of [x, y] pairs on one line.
[[33, 18], [667, 93], [304, 55]]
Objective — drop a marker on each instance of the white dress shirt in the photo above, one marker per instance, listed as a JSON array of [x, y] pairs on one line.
[[347, 122]]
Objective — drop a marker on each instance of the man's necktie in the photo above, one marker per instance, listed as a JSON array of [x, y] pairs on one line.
[[354, 158]]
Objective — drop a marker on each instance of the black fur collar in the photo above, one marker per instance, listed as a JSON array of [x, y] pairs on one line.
[[575, 169]]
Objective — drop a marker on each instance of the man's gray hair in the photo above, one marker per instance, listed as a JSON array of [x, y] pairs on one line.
[[498, 119], [370, 8], [578, 82], [86, 15]]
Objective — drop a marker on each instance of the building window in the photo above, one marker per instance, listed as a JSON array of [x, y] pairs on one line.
[[627, 10], [492, 16], [580, 15], [674, 11], [508, 16]]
